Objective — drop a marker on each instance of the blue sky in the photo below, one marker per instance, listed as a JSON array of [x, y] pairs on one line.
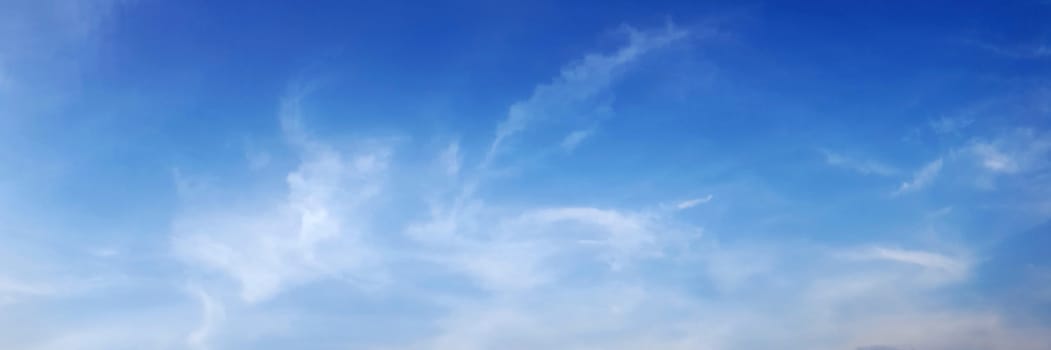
[[864, 175]]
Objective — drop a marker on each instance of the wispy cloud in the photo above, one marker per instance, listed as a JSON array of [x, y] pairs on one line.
[[579, 84], [921, 179], [948, 125], [450, 159], [1012, 152], [265, 248], [953, 268], [993, 159], [571, 141], [690, 203], [865, 167], [212, 314]]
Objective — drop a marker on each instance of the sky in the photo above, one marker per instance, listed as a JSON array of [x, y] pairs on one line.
[[727, 175]]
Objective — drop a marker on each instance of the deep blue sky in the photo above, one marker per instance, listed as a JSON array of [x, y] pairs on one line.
[[865, 175]]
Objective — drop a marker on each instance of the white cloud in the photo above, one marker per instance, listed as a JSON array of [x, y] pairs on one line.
[[1016, 151], [450, 159], [579, 83], [268, 247], [622, 236], [212, 314], [865, 167], [922, 178], [505, 253], [686, 204], [949, 267], [993, 159], [571, 141]]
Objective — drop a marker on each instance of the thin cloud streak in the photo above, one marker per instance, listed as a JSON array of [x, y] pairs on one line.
[[921, 179], [693, 202], [578, 83], [864, 167]]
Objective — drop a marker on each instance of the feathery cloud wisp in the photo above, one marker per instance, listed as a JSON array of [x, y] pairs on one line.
[[578, 84], [266, 249], [921, 179], [864, 167], [571, 141], [693, 202]]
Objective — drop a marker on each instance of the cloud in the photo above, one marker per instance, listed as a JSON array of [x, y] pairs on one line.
[[843, 305], [1020, 150], [268, 247], [623, 236], [922, 178], [450, 159], [571, 141], [578, 85], [503, 253], [864, 167], [686, 204], [993, 159], [212, 314], [952, 268], [947, 125]]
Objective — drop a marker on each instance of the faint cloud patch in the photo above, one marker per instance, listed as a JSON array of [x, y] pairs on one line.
[[690, 203], [947, 125], [921, 179], [212, 313], [1019, 150], [948, 267], [571, 141], [861, 166], [1018, 51]]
